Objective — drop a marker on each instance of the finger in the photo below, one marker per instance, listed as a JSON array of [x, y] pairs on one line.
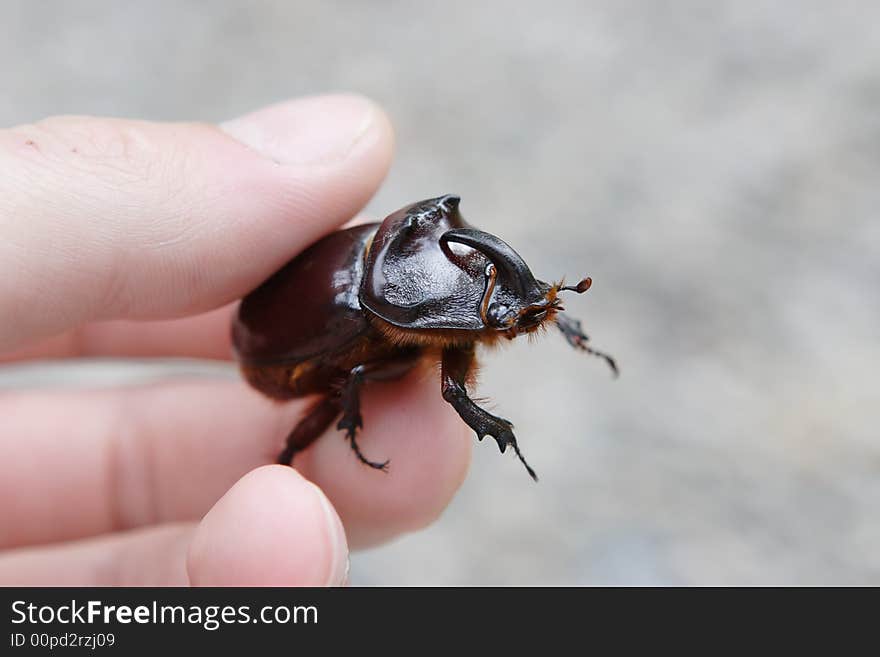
[[79, 463], [273, 528], [109, 219], [429, 449], [205, 335], [155, 556]]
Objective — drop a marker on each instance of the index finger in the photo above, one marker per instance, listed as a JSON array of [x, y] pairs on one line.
[[107, 219]]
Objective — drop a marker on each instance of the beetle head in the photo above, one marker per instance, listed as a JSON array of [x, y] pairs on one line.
[[514, 301], [427, 269]]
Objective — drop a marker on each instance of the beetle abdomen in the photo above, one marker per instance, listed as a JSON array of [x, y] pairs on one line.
[[309, 307]]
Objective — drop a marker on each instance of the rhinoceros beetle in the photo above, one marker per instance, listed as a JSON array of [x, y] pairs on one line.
[[369, 302]]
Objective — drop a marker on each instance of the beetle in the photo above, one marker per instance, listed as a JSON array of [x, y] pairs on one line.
[[367, 303]]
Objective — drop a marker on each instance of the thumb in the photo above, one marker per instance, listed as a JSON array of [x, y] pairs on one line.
[[107, 218], [273, 528]]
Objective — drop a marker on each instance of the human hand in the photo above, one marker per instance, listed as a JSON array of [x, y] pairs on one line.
[[125, 238]]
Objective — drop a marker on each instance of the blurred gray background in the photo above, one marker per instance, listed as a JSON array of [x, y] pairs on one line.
[[713, 165]]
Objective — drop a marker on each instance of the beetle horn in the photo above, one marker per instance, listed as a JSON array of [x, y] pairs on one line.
[[450, 201], [512, 269]]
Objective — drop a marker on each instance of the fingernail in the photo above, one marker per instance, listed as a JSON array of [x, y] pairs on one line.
[[339, 563], [316, 130]]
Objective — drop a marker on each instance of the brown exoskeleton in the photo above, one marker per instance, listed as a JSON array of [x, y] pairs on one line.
[[367, 303]]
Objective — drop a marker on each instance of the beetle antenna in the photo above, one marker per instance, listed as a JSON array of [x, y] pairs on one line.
[[523, 459], [580, 288]]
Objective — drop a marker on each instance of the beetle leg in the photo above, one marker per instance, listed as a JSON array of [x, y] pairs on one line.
[[457, 363], [319, 417], [571, 329], [350, 399], [351, 419]]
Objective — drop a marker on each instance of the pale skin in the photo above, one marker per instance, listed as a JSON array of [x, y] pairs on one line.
[[124, 238]]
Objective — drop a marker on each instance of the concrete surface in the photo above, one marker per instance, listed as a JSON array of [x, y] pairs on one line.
[[714, 166]]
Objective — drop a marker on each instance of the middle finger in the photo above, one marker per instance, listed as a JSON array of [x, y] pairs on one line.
[[84, 462]]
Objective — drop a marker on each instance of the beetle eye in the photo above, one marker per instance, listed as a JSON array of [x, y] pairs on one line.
[[498, 313]]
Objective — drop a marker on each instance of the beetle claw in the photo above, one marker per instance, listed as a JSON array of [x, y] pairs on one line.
[[575, 336], [351, 425], [505, 438], [383, 466]]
